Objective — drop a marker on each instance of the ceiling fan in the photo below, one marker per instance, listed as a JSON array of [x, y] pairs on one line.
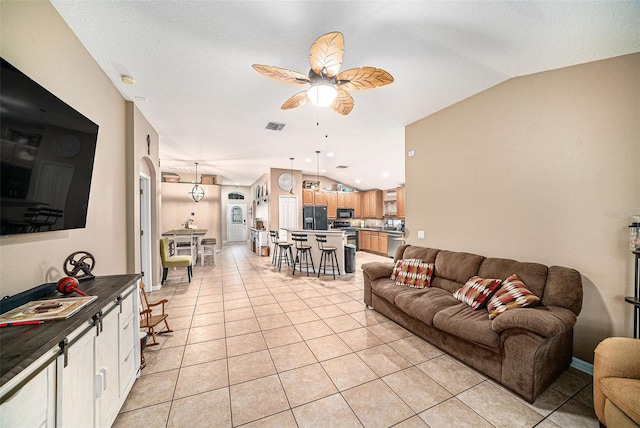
[[328, 86]]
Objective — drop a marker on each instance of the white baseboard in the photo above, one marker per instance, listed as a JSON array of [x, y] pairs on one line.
[[583, 366]]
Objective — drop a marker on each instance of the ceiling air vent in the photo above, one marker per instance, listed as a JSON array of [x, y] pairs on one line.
[[275, 126], [342, 167]]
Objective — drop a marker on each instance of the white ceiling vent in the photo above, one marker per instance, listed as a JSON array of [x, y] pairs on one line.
[[342, 167], [275, 126]]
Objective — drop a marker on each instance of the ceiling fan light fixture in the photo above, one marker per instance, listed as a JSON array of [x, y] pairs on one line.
[[322, 95]]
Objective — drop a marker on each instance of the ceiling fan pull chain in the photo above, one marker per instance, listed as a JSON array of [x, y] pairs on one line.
[[326, 124]]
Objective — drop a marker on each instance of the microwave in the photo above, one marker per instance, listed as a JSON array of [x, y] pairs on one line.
[[344, 213]]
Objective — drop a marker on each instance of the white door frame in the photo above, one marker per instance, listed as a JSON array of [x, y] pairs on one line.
[[145, 231]]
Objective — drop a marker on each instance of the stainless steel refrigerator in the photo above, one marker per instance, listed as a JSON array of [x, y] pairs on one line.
[[314, 218]]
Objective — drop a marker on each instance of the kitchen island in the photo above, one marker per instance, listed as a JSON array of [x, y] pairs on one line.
[[335, 238]]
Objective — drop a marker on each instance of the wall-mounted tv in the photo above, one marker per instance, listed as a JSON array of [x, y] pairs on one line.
[[47, 150]]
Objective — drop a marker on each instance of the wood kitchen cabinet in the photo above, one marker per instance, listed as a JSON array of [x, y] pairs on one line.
[[364, 240], [382, 243], [372, 204], [400, 202], [357, 205], [307, 197], [346, 200], [332, 204], [311, 197]]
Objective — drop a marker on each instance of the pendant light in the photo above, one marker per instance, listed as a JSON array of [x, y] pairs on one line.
[[317, 170], [291, 192], [197, 192]]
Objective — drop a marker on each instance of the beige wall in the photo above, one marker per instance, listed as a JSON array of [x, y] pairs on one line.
[[177, 206], [37, 41], [542, 168]]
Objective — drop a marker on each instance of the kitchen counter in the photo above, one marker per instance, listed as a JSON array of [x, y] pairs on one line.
[[335, 238]]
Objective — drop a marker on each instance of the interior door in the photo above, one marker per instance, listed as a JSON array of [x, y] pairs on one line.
[[145, 231], [287, 214], [236, 222]]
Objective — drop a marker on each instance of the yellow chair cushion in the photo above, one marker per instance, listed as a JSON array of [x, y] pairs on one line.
[[625, 394]]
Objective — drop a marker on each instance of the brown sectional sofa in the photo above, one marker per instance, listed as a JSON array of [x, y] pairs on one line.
[[523, 349]]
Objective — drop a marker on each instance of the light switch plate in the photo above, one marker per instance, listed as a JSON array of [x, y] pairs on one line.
[[411, 152], [421, 234]]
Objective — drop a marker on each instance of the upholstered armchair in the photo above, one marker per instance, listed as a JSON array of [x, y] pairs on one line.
[[616, 382]]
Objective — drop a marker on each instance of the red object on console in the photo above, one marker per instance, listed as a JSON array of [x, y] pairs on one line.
[[69, 285]]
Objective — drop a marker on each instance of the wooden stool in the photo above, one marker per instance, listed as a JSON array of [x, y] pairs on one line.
[[330, 252], [303, 253], [208, 245]]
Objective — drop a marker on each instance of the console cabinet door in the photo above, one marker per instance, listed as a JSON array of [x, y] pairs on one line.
[[75, 395], [34, 404], [106, 371]]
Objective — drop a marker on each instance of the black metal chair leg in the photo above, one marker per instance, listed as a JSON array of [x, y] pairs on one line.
[[165, 271]]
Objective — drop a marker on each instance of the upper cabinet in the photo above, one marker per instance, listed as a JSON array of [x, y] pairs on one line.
[[332, 204], [371, 204], [311, 197]]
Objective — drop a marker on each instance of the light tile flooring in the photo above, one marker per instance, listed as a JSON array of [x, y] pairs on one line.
[[256, 347]]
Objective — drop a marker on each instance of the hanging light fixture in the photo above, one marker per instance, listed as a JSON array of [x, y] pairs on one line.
[[197, 192], [291, 192], [317, 170], [322, 94]]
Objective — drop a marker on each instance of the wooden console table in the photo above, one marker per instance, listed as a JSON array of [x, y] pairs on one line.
[[73, 372]]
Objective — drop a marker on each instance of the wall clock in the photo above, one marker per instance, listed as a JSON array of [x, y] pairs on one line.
[[286, 182]]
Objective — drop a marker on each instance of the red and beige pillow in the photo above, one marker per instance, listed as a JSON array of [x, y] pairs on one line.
[[477, 291], [413, 273], [512, 294]]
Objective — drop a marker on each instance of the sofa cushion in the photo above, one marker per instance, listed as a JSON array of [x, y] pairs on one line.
[[427, 255], [457, 267], [465, 323], [625, 394], [512, 294], [425, 304], [413, 273], [477, 291], [532, 274], [387, 289]]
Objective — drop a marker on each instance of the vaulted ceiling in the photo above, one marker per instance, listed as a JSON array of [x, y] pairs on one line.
[[192, 60]]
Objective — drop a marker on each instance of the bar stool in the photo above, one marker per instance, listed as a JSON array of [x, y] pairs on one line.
[[303, 252], [327, 251], [207, 245], [280, 249]]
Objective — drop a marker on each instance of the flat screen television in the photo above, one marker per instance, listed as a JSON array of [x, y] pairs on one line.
[[47, 150]]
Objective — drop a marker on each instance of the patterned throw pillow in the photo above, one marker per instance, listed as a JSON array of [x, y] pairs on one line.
[[414, 273], [477, 291], [397, 268], [513, 294]]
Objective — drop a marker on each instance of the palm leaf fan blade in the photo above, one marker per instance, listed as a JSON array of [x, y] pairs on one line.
[[281, 74], [326, 53], [363, 78], [343, 104], [295, 101]]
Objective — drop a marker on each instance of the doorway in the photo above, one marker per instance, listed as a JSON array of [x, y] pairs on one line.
[[236, 221], [145, 231]]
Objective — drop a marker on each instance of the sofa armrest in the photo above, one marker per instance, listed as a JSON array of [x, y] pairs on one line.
[[547, 321], [613, 358], [377, 270]]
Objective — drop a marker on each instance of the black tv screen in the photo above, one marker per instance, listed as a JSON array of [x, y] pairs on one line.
[[47, 150]]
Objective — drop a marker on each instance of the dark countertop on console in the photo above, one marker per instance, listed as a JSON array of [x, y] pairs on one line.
[[21, 346]]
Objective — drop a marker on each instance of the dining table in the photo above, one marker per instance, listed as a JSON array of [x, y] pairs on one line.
[[198, 234]]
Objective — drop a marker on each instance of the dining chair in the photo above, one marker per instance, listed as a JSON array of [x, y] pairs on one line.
[[185, 244], [173, 261]]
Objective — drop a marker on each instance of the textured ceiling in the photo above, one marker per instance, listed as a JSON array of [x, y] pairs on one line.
[[192, 64]]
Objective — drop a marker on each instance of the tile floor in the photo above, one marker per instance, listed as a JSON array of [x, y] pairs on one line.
[[256, 347]]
